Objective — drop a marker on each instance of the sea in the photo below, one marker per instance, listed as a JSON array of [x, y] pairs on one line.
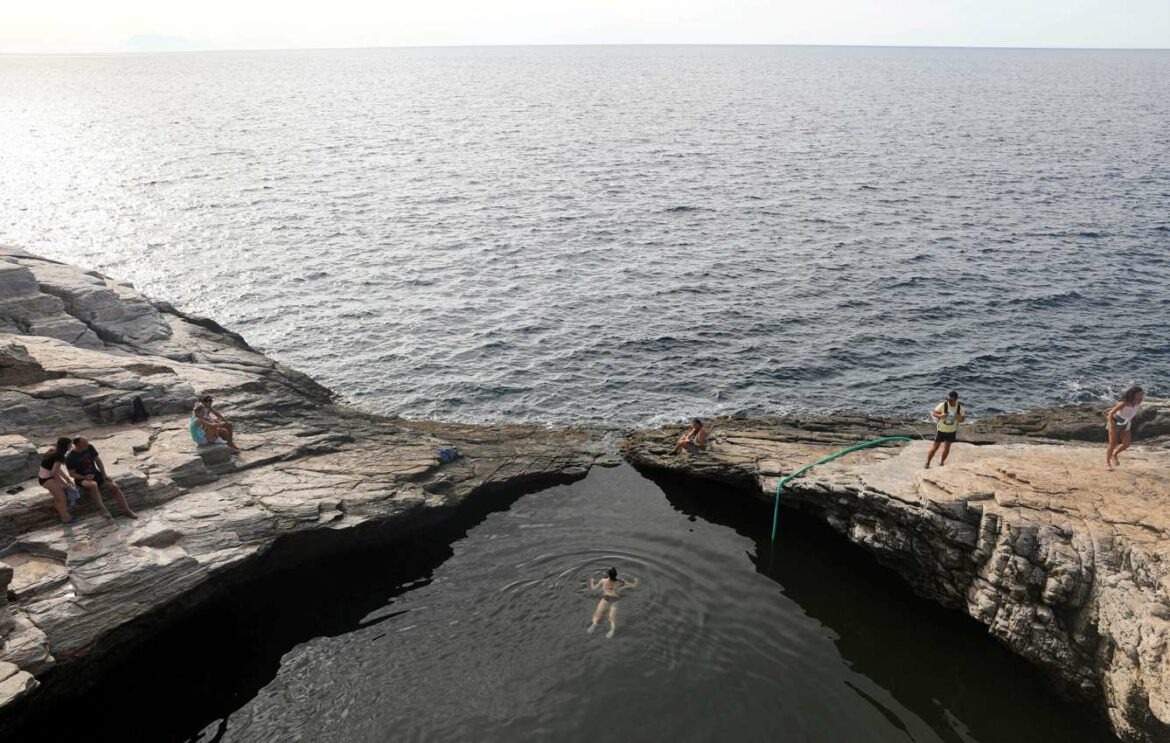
[[625, 235]]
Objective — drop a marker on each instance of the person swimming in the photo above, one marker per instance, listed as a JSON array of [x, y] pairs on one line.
[[611, 587]]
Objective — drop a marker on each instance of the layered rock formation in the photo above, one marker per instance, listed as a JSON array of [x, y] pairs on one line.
[[1026, 532], [77, 348], [1066, 563]]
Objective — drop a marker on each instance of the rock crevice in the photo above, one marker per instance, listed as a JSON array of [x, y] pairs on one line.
[[77, 349], [1065, 563]]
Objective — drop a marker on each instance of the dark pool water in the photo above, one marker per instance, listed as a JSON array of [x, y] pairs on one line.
[[476, 631]]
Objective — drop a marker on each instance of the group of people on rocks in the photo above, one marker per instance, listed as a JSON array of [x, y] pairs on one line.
[[1119, 419], [72, 467], [949, 413]]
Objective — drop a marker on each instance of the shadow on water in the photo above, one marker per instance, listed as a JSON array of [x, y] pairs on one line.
[[938, 663], [184, 681], [181, 682]]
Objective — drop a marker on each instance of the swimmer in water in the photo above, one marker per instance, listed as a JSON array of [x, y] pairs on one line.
[[611, 587]]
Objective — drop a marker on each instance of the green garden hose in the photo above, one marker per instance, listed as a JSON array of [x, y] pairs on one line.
[[830, 458]]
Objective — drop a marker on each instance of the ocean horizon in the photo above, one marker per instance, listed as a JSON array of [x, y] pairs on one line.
[[625, 234]]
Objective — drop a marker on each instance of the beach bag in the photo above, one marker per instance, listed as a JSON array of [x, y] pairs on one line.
[[448, 454]]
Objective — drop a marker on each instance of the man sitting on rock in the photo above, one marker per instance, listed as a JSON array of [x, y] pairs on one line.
[[214, 427], [693, 440], [89, 472]]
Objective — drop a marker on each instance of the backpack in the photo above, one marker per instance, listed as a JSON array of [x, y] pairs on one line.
[[958, 409], [138, 412]]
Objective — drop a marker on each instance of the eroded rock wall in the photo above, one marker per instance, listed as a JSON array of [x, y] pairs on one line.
[[77, 348], [1063, 562]]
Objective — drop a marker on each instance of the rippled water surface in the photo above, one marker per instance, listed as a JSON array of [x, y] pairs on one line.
[[486, 640], [625, 233], [475, 630]]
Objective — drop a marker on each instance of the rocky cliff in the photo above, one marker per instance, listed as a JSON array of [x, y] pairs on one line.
[[77, 348], [1023, 529]]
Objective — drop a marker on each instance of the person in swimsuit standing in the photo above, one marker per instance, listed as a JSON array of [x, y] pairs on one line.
[[52, 477], [1119, 423], [611, 587]]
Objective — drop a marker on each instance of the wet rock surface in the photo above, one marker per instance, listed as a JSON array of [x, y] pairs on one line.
[[1063, 561], [77, 349]]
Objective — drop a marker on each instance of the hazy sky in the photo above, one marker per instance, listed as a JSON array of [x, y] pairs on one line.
[[128, 25]]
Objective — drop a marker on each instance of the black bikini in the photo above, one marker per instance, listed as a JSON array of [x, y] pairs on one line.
[[47, 465]]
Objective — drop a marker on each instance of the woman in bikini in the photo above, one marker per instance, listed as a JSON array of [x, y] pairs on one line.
[[611, 587], [53, 478], [1119, 423]]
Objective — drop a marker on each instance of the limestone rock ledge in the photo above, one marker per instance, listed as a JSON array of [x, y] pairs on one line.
[[1066, 563], [76, 348]]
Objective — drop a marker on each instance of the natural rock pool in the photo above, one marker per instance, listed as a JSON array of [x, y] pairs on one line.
[[475, 630]]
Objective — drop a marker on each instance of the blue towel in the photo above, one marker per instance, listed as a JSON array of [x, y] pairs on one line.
[[196, 431]]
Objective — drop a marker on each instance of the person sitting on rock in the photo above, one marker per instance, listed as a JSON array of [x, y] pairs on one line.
[[89, 472], [207, 420], [693, 440], [52, 477], [948, 414], [1119, 424]]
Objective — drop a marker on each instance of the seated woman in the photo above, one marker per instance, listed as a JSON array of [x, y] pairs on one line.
[[692, 440], [207, 425], [52, 477]]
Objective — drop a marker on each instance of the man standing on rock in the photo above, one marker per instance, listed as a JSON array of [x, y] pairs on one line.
[[89, 472], [948, 414]]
